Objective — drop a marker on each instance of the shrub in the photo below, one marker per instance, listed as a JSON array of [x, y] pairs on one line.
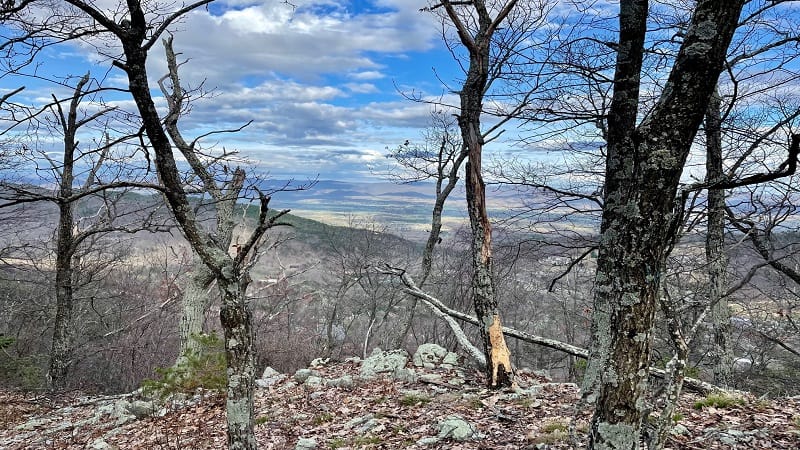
[[204, 369], [719, 400], [414, 400], [24, 372]]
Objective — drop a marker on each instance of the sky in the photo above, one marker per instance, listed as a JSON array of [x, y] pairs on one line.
[[323, 82]]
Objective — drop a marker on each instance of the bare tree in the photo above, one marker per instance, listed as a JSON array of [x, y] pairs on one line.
[[136, 27], [475, 28], [643, 167], [440, 159], [89, 167], [224, 194]]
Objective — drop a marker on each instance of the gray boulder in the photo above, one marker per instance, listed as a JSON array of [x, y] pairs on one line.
[[142, 408], [100, 444], [314, 381], [345, 381], [456, 428], [380, 362], [302, 375], [305, 444], [270, 377], [429, 355], [316, 363], [405, 375]]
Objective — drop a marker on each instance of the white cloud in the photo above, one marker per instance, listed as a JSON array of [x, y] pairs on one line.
[[368, 75], [315, 39], [362, 88]]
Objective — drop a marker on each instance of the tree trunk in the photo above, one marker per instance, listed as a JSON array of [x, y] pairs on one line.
[[194, 304], [61, 352], [237, 322], [235, 316], [675, 375], [641, 217], [721, 355], [499, 372]]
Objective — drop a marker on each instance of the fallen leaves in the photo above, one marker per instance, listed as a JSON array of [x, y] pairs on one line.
[[379, 414]]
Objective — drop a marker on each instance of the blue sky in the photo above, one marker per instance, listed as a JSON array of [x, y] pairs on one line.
[[322, 82]]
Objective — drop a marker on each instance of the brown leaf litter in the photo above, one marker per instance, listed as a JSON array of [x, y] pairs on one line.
[[380, 413]]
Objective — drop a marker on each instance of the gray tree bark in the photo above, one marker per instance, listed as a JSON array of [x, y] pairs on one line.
[[639, 222], [196, 297], [499, 371], [230, 271], [195, 301], [721, 353], [68, 238]]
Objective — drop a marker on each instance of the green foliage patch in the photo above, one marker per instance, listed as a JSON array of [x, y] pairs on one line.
[[719, 400], [203, 369], [23, 372], [414, 400]]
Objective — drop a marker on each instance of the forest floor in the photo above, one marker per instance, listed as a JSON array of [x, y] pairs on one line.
[[381, 413]]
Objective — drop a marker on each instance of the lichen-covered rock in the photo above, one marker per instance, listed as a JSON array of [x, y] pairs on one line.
[[345, 381], [359, 421], [451, 359], [679, 430], [305, 444], [433, 378], [100, 444], [314, 381], [302, 375], [456, 428], [428, 441], [142, 408], [316, 363], [381, 362], [405, 375], [270, 377], [269, 372], [429, 355]]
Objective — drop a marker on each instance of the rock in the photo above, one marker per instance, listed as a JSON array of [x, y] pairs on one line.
[[456, 381], [305, 444], [265, 382], [679, 430], [429, 355], [289, 385], [33, 424], [370, 425], [405, 375], [345, 381], [302, 375], [451, 359], [456, 428], [269, 372], [141, 408], [428, 441], [316, 363], [380, 361], [314, 381], [355, 422], [728, 440], [432, 378], [522, 393], [100, 444]]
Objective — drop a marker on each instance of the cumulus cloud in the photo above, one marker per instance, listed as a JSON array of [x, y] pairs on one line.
[[317, 81], [263, 37]]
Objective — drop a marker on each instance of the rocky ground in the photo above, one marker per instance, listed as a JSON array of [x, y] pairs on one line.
[[389, 401]]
